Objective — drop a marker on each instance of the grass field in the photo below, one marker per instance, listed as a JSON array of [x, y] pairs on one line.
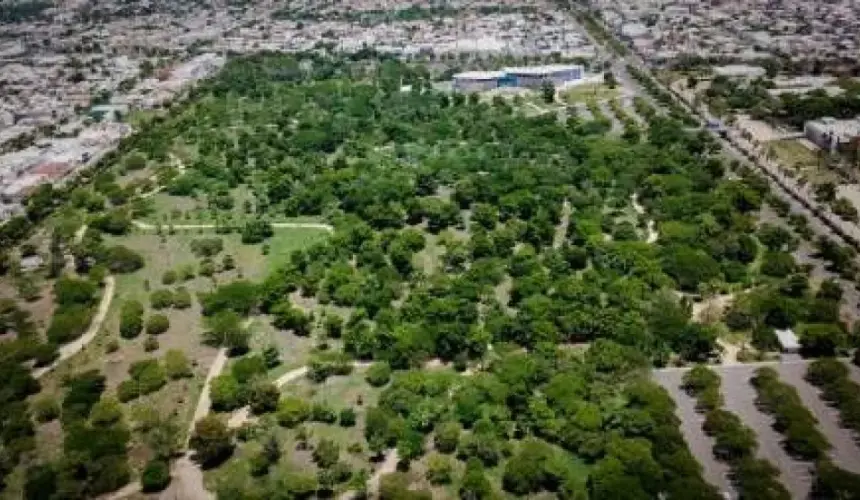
[[585, 92], [792, 153]]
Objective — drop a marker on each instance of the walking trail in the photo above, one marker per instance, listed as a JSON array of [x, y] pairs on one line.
[[640, 210], [146, 226], [77, 345]]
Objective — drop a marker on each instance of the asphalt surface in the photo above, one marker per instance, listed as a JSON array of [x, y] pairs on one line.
[[701, 445], [845, 452]]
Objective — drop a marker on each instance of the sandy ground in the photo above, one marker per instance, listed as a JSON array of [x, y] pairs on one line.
[[187, 482], [712, 307], [77, 345], [851, 192]]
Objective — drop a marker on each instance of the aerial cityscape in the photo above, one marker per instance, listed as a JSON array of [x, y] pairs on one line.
[[593, 249]]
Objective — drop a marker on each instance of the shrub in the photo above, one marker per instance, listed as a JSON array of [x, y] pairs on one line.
[[439, 469], [161, 299], [248, 367], [347, 417], [45, 408], [378, 374], [150, 344], [169, 277], [157, 324], [176, 364], [227, 393], [263, 397], [182, 298], [447, 437], [292, 411], [155, 476]]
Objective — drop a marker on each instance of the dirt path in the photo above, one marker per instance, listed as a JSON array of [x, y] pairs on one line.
[[388, 465], [242, 415], [77, 345], [652, 233], [561, 230], [205, 401], [146, 226]]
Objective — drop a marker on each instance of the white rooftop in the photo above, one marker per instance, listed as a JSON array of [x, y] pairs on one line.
[[542, 70], [479, 75], [788, 340]]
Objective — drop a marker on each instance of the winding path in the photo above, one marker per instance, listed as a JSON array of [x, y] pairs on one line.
[[77, 345]]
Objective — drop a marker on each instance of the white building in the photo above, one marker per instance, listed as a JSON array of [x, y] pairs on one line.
[[476, 81], [535, 76], [833, 135]]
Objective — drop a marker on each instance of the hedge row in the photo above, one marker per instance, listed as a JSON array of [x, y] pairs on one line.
[[831, 376], [734, 442], [792, 419]]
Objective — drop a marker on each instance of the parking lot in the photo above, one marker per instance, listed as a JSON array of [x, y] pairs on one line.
[[740, 399]]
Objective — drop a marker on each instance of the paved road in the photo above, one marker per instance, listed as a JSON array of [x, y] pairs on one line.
[[77, 345], [845, 452], [740, 399], [701, 445]]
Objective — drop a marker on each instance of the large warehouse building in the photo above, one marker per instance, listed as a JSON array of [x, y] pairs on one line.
[[476, 81], [528, 77]]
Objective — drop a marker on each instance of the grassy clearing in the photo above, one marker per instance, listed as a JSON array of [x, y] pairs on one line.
[[792, 153], [588, 91]]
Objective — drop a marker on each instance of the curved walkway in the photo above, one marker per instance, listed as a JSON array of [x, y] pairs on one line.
[[77, 345], [146, 226]]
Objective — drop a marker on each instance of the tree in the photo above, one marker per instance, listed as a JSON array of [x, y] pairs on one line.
[[292, 411], [288, 317], [439, 469], [227, 393], [474, 484], [131, 319], [155, 476], [211, 441], [263, 397], [547, 91], [447, 437], [326, 453], [225, 330]]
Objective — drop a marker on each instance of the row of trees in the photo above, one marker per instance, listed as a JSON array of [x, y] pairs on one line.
[[734, 442]]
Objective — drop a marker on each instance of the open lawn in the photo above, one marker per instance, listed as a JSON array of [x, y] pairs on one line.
[[793, 153], [587, 91]]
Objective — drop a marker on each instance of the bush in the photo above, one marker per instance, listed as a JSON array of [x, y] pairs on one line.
[[169, 277], [263, 397], [161, 299], [45, 408], [182, 298], [121, 260], [292, 411], [439, 469], [211, 441], [793, 420], [447, 437], [227, 393], [320, 412], [150, 344], [131, 319], [176, 364], [378, 374], [347, 417], [248, 367], [157, 324]]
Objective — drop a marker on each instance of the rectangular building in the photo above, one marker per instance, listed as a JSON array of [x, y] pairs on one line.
[[833, 135]]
